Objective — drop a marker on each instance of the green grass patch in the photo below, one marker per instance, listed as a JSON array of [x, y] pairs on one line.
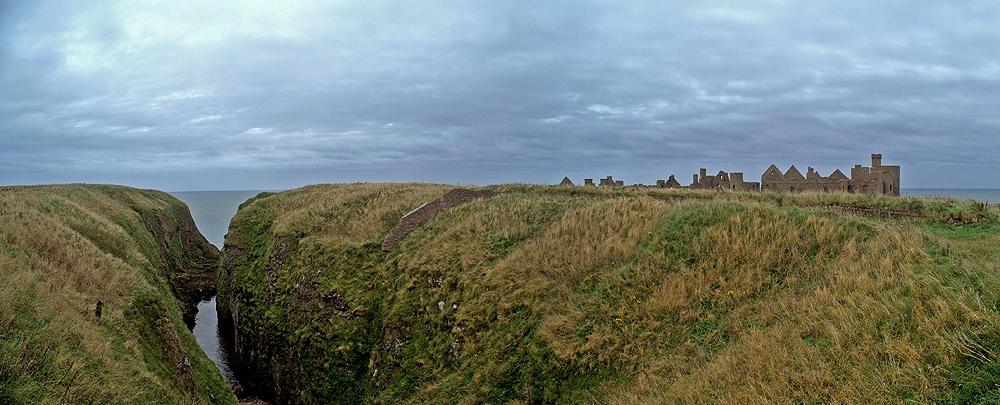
[[593, 295]]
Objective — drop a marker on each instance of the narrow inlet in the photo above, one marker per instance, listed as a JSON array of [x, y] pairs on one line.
[[212, 340]]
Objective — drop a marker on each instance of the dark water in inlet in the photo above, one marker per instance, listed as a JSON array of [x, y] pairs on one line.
[[212, 211], [211, 339]]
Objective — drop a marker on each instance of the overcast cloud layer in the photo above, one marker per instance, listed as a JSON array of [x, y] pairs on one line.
[[254, 94]]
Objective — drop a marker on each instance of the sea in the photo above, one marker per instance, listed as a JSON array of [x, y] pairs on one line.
[[983, 195], [212, 211]]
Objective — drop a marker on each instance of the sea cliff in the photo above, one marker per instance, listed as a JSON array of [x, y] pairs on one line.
[[589, 295], [96, 285]]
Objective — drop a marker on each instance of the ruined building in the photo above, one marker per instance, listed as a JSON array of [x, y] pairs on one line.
[[722, 180], [876, 179]]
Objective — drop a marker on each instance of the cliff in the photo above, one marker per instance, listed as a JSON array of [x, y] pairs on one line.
[[303, 334], [96, 283], [621, 296]]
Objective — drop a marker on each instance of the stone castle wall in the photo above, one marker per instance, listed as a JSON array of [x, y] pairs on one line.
[[877, 179]]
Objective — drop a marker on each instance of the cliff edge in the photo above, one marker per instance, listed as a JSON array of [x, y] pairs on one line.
[[546, 295], [96, 283]]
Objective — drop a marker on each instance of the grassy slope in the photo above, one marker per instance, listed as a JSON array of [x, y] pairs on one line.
[[547, 296], [63, 248]]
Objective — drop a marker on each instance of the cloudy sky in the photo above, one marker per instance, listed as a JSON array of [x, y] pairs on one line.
[[260, 94]]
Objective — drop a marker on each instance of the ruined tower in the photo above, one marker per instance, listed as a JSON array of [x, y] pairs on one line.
[[877, 179]]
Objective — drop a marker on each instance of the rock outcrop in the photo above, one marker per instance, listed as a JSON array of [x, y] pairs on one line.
[[190, 260], [178, 356]]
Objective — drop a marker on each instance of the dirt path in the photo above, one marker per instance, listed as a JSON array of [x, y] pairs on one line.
[[412, 221]]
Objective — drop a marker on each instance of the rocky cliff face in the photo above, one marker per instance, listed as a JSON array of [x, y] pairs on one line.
[[258, 355], [291, 336], [306, 313], [190, 261]]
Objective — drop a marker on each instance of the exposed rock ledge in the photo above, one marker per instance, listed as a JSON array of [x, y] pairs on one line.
[[190, 260]]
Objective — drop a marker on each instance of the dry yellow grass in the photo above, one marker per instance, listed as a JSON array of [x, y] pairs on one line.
[[63, 248], [797, 306], [638, 296], [349, 213]]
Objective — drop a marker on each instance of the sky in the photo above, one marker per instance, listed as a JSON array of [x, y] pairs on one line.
[[251, 94]]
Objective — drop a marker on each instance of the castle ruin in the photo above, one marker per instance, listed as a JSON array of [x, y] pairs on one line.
[[724, 181], [877, 179]]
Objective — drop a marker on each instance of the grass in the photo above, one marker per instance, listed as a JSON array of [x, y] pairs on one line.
[[63, 248], [620, 296]]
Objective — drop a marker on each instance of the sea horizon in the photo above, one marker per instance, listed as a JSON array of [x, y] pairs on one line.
[[213, 210], [984, 195]]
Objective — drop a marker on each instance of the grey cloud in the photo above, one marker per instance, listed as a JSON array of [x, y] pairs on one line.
[[484, 91]]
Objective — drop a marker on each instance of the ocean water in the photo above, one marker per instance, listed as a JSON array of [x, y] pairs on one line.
[[212, 211], [983, 195]]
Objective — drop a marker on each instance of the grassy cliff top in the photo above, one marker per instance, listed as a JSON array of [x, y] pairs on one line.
[[589, 295], [63, 249]]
